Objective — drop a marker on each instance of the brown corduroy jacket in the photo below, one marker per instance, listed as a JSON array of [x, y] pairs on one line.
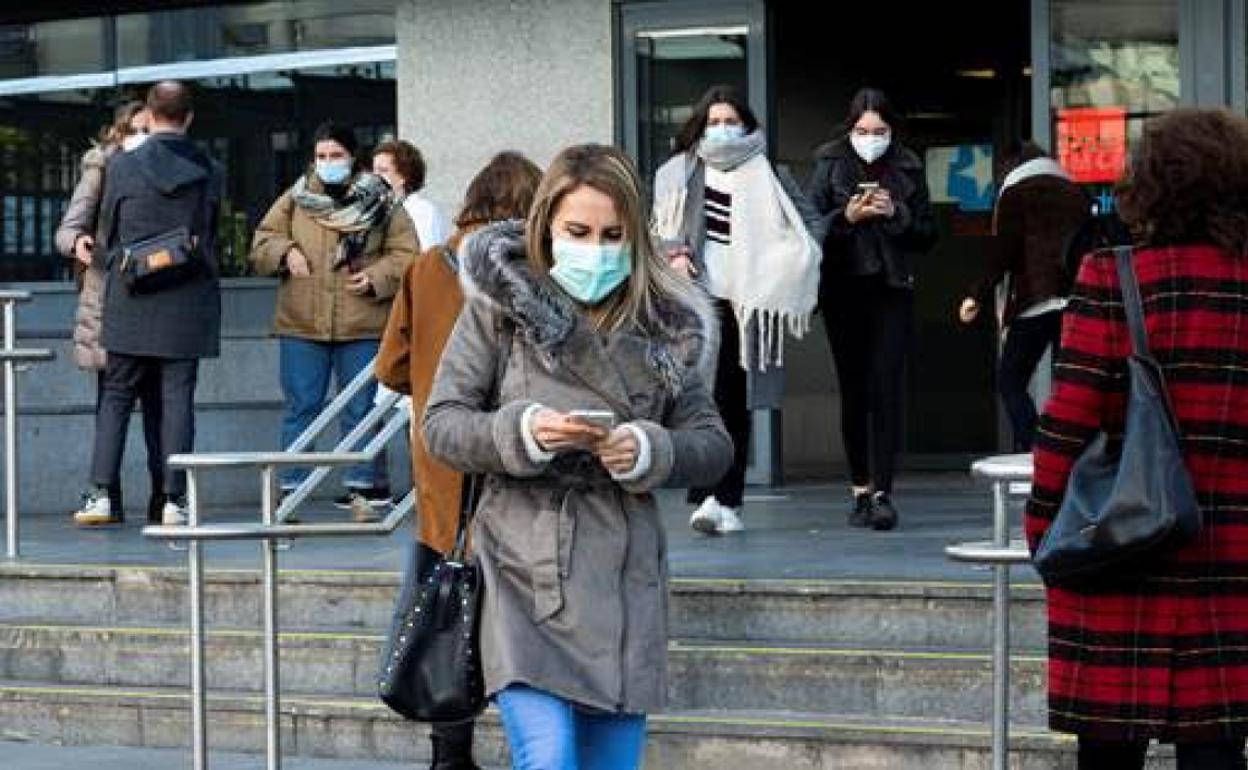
[[421, 319]]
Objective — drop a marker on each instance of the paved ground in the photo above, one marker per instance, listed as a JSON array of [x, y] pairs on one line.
[[793, 532], [32, 756]]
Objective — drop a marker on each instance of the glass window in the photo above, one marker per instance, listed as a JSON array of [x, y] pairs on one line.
[[54, 48], [196, 34], [1115, 64], [674, 69]]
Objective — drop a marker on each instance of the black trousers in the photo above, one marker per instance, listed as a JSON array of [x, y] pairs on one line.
[[869, 326], [123, 379], [1112, 755], [1025, 343], [732, 400], [149, 405]]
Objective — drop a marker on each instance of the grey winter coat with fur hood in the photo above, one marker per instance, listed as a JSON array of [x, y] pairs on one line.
[[575, 563]]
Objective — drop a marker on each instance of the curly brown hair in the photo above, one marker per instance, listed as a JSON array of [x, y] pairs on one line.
[[407, 161], [1188, 181]]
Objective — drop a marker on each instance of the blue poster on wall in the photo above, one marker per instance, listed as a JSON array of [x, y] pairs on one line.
[[961, 174]]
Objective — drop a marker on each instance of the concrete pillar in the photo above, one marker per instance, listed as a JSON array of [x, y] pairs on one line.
[[476, 78]]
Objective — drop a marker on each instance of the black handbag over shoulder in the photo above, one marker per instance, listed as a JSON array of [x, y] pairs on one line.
[[431, 667], [1125, 507]]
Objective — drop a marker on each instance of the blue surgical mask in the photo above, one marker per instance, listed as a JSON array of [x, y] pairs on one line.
[[723, 132], [589, 272], [334, 171]]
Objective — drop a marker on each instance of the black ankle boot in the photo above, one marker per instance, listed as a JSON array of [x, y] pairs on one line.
[[452, 747], [883, 513], [155, 506]]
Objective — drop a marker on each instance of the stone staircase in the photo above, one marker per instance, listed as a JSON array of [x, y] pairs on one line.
[[764, 674]]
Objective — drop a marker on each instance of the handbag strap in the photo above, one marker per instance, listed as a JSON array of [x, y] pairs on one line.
[[475, 482], [1132, 302]]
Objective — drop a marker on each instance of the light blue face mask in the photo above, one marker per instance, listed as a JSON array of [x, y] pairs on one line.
[[334, 171], [589, 272], [723, 132]]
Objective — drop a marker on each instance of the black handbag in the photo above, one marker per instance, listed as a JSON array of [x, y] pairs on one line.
[[1125, 505], [431, 669]]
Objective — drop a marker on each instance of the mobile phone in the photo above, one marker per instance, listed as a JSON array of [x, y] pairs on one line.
[[599, 418], [867, 188]]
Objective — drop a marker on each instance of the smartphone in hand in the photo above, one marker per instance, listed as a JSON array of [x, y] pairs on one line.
[[599, 418]]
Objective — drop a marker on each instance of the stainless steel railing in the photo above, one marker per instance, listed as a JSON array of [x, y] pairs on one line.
[[273, 528], [12, 356], [1006, 475]]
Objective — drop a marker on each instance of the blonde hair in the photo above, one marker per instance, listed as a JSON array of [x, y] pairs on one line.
[[612, 173]]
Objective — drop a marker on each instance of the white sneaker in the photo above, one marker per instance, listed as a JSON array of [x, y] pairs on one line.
[[706, 518], [729, 520], [174, 514], [96, 509]]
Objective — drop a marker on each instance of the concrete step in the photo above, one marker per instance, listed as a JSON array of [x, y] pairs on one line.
[[38, 756], [872, 614], [363, 729], [894, 683]]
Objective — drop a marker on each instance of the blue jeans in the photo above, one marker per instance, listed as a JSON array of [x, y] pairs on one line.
[[546, 732], [305, 369]]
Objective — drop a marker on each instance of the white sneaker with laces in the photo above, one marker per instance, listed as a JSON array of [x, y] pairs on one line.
[[96, 509], [174, 514], [705, 518], [729, 520]]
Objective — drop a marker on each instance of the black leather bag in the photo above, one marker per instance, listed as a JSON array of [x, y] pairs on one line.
[[160, 262], [1125, 505], [431, 669]]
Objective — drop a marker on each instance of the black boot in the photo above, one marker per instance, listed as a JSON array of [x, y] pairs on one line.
[[883, 514], [156, 504], [860, 515], [452, 747]]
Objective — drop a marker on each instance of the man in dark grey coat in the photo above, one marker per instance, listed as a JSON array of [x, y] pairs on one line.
[[165, 184]]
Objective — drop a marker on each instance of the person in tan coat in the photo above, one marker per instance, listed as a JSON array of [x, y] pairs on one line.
[[339, 248], [421, 320], [76, 238]]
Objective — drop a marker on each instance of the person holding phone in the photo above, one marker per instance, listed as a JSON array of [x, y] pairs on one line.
[[594, 402], [872, 193], [339, 249], [746, 233]]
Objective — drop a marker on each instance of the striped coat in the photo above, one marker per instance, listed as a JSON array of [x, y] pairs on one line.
[[1169, 659]]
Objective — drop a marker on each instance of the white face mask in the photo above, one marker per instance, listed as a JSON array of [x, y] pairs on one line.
[[870, 147], [132, 141]]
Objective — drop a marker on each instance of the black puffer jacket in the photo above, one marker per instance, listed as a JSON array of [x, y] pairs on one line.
[[891, 244]]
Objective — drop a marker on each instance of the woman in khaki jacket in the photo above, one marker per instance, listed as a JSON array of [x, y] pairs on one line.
[[425, 310], [76, 240], [340, 249], [599, 402]]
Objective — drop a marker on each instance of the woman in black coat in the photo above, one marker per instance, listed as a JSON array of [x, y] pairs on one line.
[[872, 192]]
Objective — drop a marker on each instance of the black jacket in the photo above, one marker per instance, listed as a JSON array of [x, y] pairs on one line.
[[892, 244], [156, 188]]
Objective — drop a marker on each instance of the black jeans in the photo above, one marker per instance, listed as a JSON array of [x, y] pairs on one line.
[[869, 326], [732, 400], [1025, 343], [149, 404], [1113, 755], [123, 379]]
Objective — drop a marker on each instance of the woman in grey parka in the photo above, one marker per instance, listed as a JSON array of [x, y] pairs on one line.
[[574, 625]]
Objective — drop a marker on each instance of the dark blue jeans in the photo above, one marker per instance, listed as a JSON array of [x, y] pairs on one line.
[[306, 366]]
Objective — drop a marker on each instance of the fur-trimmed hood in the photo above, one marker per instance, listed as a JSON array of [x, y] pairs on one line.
[[494, 268]]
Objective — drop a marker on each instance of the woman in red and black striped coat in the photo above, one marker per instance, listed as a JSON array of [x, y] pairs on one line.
[[1167, 658]]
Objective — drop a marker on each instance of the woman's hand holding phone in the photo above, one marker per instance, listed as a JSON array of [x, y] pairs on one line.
[[559, 432]]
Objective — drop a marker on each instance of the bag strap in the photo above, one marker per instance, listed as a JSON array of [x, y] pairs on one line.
[[474, 483], [1132, 302]]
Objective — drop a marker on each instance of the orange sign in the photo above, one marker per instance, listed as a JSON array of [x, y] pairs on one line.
[[1092, 142]]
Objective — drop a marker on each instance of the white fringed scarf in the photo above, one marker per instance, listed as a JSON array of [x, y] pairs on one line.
[[772, 270]]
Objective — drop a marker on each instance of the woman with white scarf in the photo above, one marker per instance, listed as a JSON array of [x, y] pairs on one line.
[[746, 233]]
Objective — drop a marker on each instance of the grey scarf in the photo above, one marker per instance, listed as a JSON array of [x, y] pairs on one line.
[[725, 156], [364, 206]]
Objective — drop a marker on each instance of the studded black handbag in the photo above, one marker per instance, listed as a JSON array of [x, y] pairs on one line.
[[431, 668], [1130, 502]]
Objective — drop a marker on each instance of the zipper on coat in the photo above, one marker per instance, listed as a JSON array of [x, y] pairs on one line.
[[619, 706]]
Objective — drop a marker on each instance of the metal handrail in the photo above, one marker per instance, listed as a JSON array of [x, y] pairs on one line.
[[1007, 475], [268, 532], [11, 356], [274, 527]]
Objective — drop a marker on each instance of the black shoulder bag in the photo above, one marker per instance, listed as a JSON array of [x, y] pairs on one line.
[[168, 259], [1123, 508], [431, 667]]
